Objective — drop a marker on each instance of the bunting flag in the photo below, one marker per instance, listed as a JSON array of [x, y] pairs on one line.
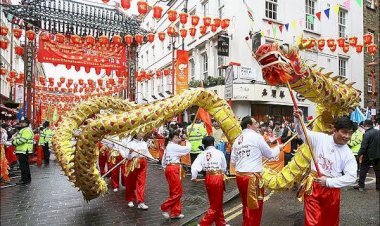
[[274, 31], [294, 24], [359, 2], [287, 26], [327, 12], [205, 117], [347, 4], [280, 27], [318, 14], [250, 12], [336, 9], [310, 18]]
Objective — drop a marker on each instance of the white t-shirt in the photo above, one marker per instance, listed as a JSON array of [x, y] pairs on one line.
[[138, 146], [210, 159], [335, 161], [173, 152], [248, 151]]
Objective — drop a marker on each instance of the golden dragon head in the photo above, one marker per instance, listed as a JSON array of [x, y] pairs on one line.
[[280, 63]]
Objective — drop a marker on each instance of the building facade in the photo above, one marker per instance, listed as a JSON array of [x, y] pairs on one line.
[[260, 20], [371, 22]]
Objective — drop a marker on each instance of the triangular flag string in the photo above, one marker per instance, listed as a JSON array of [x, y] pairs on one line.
[[336, 9], [287, 26], [359, 2], [318, 14], [347, 4], [327, 12], [280, 28]]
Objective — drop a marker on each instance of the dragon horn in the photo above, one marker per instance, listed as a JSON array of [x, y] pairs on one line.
[[350, 84]]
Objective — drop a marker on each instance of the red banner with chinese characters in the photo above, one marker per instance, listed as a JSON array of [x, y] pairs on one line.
[[109, 56], [182, 71]]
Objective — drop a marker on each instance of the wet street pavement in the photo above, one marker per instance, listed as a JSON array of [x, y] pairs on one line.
[[51, 200]]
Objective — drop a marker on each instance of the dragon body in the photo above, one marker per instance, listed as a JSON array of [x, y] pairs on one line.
[[334, 98]]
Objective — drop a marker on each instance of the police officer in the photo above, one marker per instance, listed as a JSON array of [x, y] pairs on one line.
[[45, 141], [195, 135], [24, 146]]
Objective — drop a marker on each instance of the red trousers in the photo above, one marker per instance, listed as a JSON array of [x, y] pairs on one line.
[[173, 202], [135, 183], [10, 154], [102, 163], [251, 217], [40, 155], [115, 173], [215, 189], [322, 206]]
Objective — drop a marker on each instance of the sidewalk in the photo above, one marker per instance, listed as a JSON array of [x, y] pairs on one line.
[[51, 200]]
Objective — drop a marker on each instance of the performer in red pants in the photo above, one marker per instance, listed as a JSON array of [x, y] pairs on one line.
[[113, 158], [338, 168], [103, 155], [246, 155], [214, 163], [173, 171], [135, 171]]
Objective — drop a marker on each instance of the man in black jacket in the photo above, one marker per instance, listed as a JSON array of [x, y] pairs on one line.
[[370, 154]]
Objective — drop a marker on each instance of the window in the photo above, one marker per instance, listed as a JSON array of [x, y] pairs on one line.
[[205, 8], [221, 62], [342, 23], [192, 69], [271, 9], [342, 66], [369, 89], [310, 12], [204, 65], [220, 8]]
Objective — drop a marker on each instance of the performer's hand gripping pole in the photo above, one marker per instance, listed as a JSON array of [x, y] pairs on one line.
[[304, 130]]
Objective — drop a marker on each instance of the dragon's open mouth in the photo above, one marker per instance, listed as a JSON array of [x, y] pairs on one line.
[[271, 58]]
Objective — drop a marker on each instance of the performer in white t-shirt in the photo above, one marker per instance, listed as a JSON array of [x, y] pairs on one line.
[[247, 153], [135, 170], [338, 168], [214, 163], [173, 172]]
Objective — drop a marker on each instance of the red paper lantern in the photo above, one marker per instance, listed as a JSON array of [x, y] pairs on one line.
[[30, 35], [312, 44], [45, 36], [207, 21], [171, 31], [333, 48], [166, 71], [89, 39], [321, 44], [139, 39], [19, 50], [330, 42], [4, 30], [214, 28], [225, 23], [172, 15], [81, 81], [372, 49], [111, 81], [128, 39], [161, 36], [76, 39], [42, 79], [142, 7], [341, 41], [183, 32], [60, 38], [100, 82], [59, 84], [126, 4], [157, 12], [3, 71], [116, 39], [217, 21], [353, 41], [158, 73], [70, 81], [62, 79], [183, 18], [4, 44], [103, 40], [192, 31], [346, 48], [120, 80], [142, 74], [17, 32], [203, 29], [194, 20], [63, 90], [90, 82], [367, 38], [150, 37], [12, 74], [359, 48]]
